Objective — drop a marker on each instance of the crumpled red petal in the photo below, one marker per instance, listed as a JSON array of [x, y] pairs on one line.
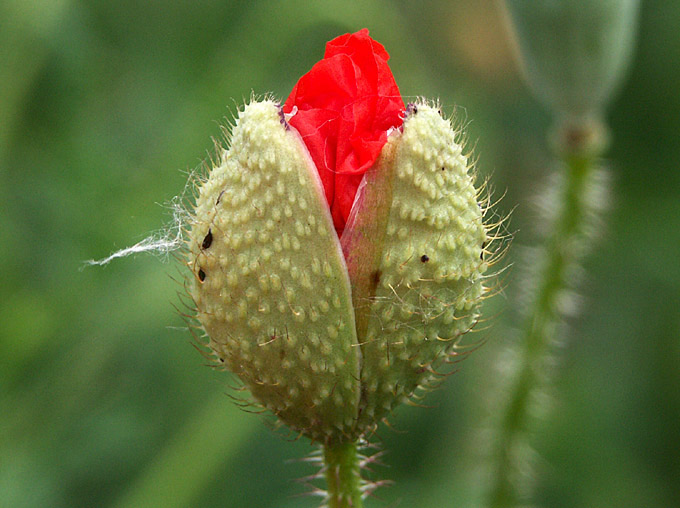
[[346, 104]]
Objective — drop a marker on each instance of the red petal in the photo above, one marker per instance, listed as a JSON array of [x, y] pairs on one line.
[[345, 105]]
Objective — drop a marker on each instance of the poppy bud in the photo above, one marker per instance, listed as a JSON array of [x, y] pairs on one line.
[[331, 333]]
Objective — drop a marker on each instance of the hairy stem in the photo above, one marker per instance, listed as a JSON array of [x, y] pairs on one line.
[[565, 245], [343, 475]]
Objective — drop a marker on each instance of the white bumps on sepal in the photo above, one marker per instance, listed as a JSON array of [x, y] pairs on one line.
[[271, 287]]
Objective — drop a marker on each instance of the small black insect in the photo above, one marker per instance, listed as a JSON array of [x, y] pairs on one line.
[[282, 117], [201, 274], [424, 258], [481, 254], [207, 241]]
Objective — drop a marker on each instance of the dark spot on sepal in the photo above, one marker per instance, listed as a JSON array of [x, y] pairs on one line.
[[207, 241], [374, 281], [201, 274], [424, 258]]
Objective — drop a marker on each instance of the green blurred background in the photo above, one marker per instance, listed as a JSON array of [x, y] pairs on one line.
[[105, 106]]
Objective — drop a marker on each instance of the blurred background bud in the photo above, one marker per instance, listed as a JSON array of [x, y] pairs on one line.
[[573, 55]]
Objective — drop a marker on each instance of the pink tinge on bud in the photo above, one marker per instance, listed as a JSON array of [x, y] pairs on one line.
[[344, 108]]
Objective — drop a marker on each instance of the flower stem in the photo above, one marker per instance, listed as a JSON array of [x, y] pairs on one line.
[[575, 202], [343, 475]]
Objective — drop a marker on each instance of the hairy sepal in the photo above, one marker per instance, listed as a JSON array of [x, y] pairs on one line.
[[271, 284], [427, 282]]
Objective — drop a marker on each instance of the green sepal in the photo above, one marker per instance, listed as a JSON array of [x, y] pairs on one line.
[[428, 281], [271, 285]]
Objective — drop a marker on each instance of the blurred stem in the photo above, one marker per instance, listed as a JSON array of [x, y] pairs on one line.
[[563, 248], [343, 475]]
